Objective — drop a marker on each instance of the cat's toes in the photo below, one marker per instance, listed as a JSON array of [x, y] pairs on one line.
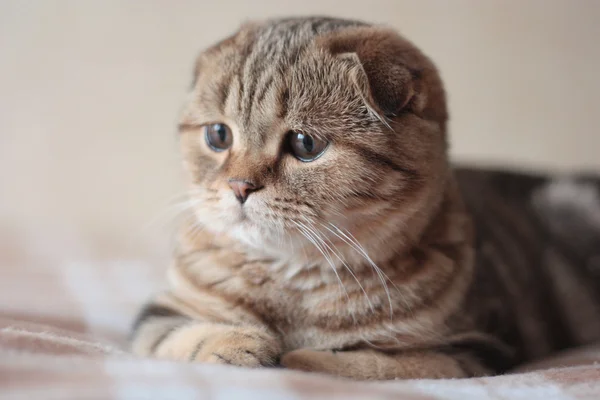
[[244, 349], [310, 360]]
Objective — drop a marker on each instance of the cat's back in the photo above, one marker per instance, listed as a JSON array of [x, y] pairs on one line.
[[537, 282]]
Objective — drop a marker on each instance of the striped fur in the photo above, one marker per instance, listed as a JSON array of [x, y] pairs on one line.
[[360, 263]]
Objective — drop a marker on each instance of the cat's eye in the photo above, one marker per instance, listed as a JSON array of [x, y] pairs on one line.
[[305, 147], [218, 136]]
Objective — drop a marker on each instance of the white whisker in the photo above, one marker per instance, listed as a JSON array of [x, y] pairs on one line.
[[353, 242], [306, 233], [344, 263], [174, 210]]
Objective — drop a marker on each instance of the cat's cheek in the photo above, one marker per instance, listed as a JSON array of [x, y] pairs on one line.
[[216, 217]]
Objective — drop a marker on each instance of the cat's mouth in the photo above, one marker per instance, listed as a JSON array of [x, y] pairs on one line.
[[243, 216]]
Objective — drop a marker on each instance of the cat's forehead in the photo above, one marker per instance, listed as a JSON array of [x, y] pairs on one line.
[[276, 73]]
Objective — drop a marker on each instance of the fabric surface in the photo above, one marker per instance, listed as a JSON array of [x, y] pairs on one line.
[[66, 308]]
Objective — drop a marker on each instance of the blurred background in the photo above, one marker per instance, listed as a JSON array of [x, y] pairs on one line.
[[90, 92]]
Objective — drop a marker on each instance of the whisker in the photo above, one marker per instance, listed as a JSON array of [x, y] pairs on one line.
[[308, 236], [380, 271], [353, 242], [172, 212], [196, 227], [344, 263]]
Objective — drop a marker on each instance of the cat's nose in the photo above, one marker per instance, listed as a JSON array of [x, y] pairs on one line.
[[242, 188]]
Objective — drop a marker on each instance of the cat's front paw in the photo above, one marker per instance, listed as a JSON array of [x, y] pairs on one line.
[[239, 346], [310, 360]]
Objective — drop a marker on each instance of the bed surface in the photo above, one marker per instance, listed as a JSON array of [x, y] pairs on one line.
[[66, 306]]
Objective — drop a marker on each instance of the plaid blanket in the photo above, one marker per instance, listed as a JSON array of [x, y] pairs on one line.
[[66, 308]]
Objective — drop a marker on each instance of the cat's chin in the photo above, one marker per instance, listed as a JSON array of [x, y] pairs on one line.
[[258, 238]]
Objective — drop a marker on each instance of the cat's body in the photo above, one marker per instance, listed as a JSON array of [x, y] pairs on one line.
[[537, 269], [329, 231]]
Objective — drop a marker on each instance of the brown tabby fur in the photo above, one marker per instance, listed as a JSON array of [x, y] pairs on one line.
[[360, 263]]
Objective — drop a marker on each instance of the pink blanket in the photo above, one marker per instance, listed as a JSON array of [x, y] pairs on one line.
[[66, 308]]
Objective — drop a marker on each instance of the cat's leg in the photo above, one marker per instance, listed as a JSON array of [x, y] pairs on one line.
[[164, 332], [373, 365]]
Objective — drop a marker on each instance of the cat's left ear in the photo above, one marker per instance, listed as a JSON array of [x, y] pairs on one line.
[[390, 71]]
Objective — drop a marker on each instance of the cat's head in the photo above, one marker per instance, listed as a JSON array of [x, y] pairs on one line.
[[312, 126]]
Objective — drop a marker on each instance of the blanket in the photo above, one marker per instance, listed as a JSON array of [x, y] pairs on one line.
[[66, 308]]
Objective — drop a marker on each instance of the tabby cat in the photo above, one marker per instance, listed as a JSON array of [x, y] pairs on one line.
[[331, 234]]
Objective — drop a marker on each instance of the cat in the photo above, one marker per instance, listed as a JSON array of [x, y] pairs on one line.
[[330, 233]]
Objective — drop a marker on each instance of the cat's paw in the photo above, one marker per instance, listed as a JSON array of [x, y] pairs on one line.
[[310, 360], [369, 364], [242, 347], [245, 346]]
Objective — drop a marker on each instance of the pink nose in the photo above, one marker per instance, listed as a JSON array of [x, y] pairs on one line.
[[242, 188]]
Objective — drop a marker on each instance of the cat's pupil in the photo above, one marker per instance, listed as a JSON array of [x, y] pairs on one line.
[[221, 131], [308, 143]]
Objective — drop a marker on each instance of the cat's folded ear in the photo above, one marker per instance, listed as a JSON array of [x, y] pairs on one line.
[[392, 73]]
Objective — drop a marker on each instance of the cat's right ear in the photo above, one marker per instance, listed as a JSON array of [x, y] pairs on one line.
[[392, 73]]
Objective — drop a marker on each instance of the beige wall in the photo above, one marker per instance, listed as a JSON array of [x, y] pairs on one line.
[[89, 92]]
